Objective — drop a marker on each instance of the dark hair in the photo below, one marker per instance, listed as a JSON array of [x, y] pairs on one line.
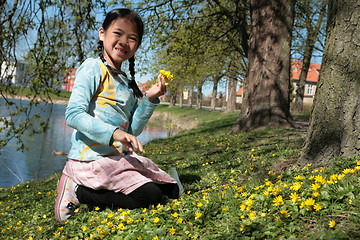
[[134, 18]]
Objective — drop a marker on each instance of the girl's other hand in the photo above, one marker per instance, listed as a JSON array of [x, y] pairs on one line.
[[156, 90], [127, 140]]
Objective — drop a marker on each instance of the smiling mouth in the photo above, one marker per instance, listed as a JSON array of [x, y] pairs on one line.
[[121, 51]]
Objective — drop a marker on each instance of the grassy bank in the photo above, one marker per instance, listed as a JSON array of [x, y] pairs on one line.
[[27, 93], [245, 186]]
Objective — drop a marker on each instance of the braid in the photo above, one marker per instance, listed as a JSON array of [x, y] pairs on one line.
[[101, 50], [132, 83], [132, 67]]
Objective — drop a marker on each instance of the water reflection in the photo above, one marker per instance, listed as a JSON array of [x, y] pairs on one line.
[[39, 162]]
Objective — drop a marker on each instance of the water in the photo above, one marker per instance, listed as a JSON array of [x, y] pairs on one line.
[[40, 162]]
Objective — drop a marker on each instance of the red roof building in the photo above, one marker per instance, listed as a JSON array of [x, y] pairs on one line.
[[310, 84], [68, 81], [311, 79]]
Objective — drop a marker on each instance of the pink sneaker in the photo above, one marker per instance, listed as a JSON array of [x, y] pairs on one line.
[[66, 201]]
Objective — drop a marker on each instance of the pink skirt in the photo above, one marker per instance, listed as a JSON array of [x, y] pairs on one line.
[[117, 173]]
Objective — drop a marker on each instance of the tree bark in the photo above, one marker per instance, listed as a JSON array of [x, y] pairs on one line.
[[181, 100], [335, 122], [312, 33], [190, 96], [214, 92], [198, 96], [231, 100], [266, 100], [172, 98]]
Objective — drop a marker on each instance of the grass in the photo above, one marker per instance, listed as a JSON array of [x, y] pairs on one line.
[[29, 93], [244, 186]]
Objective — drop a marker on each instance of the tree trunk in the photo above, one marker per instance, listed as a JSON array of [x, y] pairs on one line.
[[181, 100], [190, 96], [335, 122], [214, 93], [198, 96], [309, 47], [172, 99], [266, 100], [231, 100]]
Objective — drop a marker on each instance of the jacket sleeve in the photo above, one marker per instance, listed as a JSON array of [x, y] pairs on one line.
[[87, 80], [141, 115]]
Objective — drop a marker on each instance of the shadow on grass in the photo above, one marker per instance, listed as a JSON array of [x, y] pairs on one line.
[[189, 178]]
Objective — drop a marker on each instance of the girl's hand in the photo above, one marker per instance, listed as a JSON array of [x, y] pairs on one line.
[[156, 90], [126, 139]]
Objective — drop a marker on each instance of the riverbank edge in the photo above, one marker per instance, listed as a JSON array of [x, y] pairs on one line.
[[158, 118], [23, 98]]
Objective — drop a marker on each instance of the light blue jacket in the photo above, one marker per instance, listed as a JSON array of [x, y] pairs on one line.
[[101, 101]]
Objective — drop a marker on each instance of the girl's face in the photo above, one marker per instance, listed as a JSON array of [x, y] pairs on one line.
[[120, 41]]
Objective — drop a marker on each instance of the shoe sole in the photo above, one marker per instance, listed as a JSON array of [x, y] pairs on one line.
[[60, 191]]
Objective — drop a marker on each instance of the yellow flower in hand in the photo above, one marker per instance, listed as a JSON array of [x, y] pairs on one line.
[[167, 76]]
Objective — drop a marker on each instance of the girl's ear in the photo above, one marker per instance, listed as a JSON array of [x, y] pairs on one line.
[[101, 34]]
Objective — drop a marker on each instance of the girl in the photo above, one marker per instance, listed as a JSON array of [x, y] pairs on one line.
[[104, 113]]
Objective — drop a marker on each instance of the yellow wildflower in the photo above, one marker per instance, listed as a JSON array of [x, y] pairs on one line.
[[84, 228], [121, 226], [242, 207], [252, 215], [317, 207], [167, 76], [109, 225], [320, 179], [156, 220], [278, 201], [172, 230], [285, 213], [249, 202], [315, 186], [309, 202], [198, 215], [294, 197], [296, 186], [298, 177], [332, 224]]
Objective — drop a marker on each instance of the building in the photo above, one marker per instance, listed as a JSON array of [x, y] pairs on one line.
[[69, 80], [311, 80], [310, 83], [14, 73]]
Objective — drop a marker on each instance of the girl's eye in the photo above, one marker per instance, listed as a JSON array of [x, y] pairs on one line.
[[133, 39]]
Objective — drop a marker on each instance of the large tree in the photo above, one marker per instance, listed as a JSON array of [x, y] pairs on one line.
[[335, 122], [266, 101]]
